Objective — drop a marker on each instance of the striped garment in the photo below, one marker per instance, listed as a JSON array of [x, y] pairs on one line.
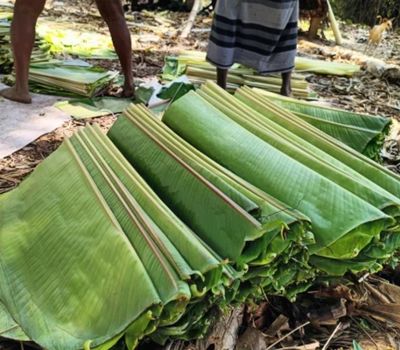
[[261, 34]]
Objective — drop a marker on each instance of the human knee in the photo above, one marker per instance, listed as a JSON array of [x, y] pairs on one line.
[[29, 7], [111, 10]]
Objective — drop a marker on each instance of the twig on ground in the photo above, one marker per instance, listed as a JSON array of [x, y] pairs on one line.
[[338, 327], [288, 335]]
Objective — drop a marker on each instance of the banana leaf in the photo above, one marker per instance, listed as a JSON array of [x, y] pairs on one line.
[[365, 133], [167, 174], [61, 268], [63, 78], [388, 243], [382, 249], [343, 153], [9, 328], [262, 251], [84, 108], [36, 272], [274, 250], [239, 150], [299, 149]]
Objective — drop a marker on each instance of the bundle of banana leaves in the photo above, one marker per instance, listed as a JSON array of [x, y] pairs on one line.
[[95, 255], [270, 145], [69, 78], [121, 252], [195, 66], [364, 133], [302, 64], [351, 201], [199, 71], [40, 51], [282, 233]]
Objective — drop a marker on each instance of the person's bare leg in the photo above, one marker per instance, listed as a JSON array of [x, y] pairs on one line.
[[26, 13], [113, 14], [222, 77], [286, 89]]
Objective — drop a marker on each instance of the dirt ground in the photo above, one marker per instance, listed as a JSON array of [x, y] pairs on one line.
[[363, 93]]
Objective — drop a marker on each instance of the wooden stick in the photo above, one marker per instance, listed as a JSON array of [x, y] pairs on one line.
[[332, 336], [334, 25], [192, 18]]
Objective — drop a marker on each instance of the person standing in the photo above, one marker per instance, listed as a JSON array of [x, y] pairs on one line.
[[26, 13], [260, 34]]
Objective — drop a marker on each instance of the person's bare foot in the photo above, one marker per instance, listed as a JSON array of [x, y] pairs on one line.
[[128, 91], [13, 95]]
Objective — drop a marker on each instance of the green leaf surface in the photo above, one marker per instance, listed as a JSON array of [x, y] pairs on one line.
[[94, 107], [363, 133], [239, 150], [216, 218]]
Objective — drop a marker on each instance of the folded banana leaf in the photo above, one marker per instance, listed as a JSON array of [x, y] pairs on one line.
[[96, 241], [66, 79], [365, 133], [167, 174], [380, 250], [312, 190], [272, 249], [345, 154], [293, 145]]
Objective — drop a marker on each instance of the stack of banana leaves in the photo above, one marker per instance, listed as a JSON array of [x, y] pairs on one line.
[[351, 201], [302, 64], [40, 51], [147, 231], [194, 65], [365, 133], [95, 255], [199, 71], [96, 240], [69, 78]]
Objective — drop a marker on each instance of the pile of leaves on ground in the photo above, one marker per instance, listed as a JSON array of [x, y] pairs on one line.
[[228, 199], [361, 94]]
